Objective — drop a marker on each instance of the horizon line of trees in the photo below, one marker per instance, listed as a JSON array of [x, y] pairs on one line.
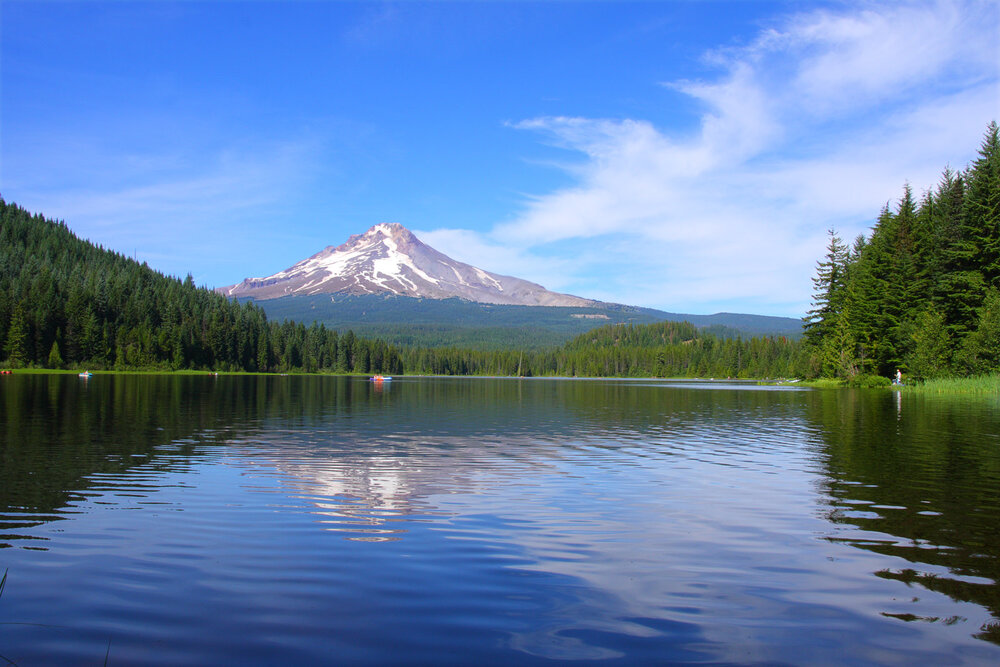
[[921, 292], [662, 349]]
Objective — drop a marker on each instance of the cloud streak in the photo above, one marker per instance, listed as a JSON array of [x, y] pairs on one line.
[[815, 123], [174, 210]]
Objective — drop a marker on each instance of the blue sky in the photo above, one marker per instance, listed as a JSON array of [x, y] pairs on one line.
[[687, 156]]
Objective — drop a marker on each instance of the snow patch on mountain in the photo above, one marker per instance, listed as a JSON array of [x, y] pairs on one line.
[[389, 259]]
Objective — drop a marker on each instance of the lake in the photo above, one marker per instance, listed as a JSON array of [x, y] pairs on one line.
[[304, 520]]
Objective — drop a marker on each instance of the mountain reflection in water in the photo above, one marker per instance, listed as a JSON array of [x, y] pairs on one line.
[[310, 519]]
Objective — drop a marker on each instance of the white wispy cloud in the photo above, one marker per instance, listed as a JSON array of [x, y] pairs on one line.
[[179, 209], [815, 123], [181, 213]]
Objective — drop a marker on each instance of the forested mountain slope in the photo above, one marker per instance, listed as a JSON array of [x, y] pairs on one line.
[[66, 302], [414, 322]]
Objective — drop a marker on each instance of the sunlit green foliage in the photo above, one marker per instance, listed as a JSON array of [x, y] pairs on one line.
[[922, 292]]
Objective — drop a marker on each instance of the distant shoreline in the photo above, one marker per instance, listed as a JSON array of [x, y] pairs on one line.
[[984, 385]]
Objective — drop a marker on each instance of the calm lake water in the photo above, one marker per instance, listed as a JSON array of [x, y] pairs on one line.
[[301, 520]]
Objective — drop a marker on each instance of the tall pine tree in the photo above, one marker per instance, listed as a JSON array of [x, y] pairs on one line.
[[828, 291]]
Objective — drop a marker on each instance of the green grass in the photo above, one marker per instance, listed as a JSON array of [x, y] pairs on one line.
[[982, 385]]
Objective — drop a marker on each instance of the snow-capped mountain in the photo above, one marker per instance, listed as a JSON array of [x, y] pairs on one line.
[[389, 259]]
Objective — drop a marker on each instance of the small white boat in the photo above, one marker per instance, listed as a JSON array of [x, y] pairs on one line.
[[86, 374]]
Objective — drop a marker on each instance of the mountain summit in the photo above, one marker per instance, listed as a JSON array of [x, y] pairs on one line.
[[389, 259]]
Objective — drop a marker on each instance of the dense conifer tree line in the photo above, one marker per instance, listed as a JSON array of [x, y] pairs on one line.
[[921, 292], [664, 349], [67, 303]]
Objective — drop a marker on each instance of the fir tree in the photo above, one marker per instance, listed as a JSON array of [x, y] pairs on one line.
[[931, 350], [982, 210], [55, 359], [828, 293], [981, 352], [17, 337]]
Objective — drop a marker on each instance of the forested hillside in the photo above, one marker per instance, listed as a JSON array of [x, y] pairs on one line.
[[922, 292], [65, 302], [664, 349], [415, 322]]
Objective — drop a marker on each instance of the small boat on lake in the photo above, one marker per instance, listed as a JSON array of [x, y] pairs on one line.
[[381, 378], [86, 374]]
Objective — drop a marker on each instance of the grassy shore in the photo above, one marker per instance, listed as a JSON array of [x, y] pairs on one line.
[[982, 385]]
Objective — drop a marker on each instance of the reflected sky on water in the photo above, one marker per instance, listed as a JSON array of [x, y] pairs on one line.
[[318, 519]]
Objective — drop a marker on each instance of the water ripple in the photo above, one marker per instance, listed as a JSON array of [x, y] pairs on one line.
[[304, 520]]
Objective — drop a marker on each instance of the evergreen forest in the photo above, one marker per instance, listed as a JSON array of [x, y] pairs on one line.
[[663, 349], [422, 322], [921, 292], [67, 303]]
